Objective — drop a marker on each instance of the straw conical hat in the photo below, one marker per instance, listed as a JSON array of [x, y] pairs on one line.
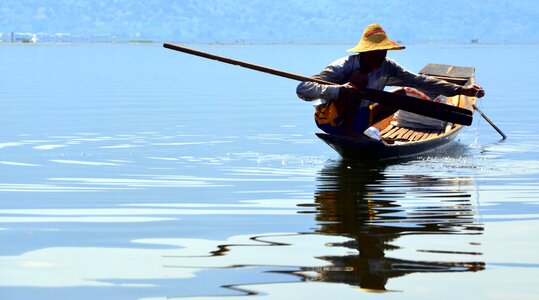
[[375, 38]]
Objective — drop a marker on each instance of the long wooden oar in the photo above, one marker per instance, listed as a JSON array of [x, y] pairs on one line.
[[489, 121], [431, 109]]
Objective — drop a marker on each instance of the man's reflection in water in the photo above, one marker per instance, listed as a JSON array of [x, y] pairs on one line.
[[362, 203]]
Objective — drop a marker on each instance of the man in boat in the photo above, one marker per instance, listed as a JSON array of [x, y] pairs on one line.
[[341, 111]]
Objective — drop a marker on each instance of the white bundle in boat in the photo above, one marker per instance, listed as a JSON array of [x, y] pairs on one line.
[[411, 120]]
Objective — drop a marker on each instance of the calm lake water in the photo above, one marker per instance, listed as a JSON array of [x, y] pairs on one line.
[[136, 172]]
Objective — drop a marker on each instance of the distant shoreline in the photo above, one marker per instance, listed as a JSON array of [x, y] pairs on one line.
[[438, 43], [67, 38]]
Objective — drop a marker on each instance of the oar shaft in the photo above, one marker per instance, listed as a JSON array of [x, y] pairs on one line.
[[427, 108], [246, 64], [489, 121]]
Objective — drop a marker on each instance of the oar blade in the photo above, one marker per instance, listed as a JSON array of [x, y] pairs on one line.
[[430, 109]]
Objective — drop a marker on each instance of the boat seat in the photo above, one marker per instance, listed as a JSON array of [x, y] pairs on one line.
[[394, 133], [458, 75]]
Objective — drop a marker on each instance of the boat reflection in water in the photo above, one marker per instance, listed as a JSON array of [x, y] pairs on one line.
[[375, 209]]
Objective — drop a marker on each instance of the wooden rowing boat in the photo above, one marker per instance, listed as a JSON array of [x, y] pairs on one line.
[[398, 142], [405, 142]]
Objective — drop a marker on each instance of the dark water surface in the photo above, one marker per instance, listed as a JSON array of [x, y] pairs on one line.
[[134, 172]]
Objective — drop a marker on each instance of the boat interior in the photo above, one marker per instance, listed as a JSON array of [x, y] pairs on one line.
[[392, 133]]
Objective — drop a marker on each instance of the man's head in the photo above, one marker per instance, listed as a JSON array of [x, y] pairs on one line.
[[374, 38], [371, 60]]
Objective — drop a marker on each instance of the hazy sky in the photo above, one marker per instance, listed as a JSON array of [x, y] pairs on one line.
[[276, 21]]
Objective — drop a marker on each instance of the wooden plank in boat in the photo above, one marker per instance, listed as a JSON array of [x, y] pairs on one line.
[[418, 135], [400, 136], [448, 127], [397, 133], [456, 100], [408, 134], [434, 134], [393, 133], [448, 71], [424, 134], [390, 132], [388, 128]]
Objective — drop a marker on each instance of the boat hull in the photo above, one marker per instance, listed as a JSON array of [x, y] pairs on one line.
[[365, 148], [401, 142]]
